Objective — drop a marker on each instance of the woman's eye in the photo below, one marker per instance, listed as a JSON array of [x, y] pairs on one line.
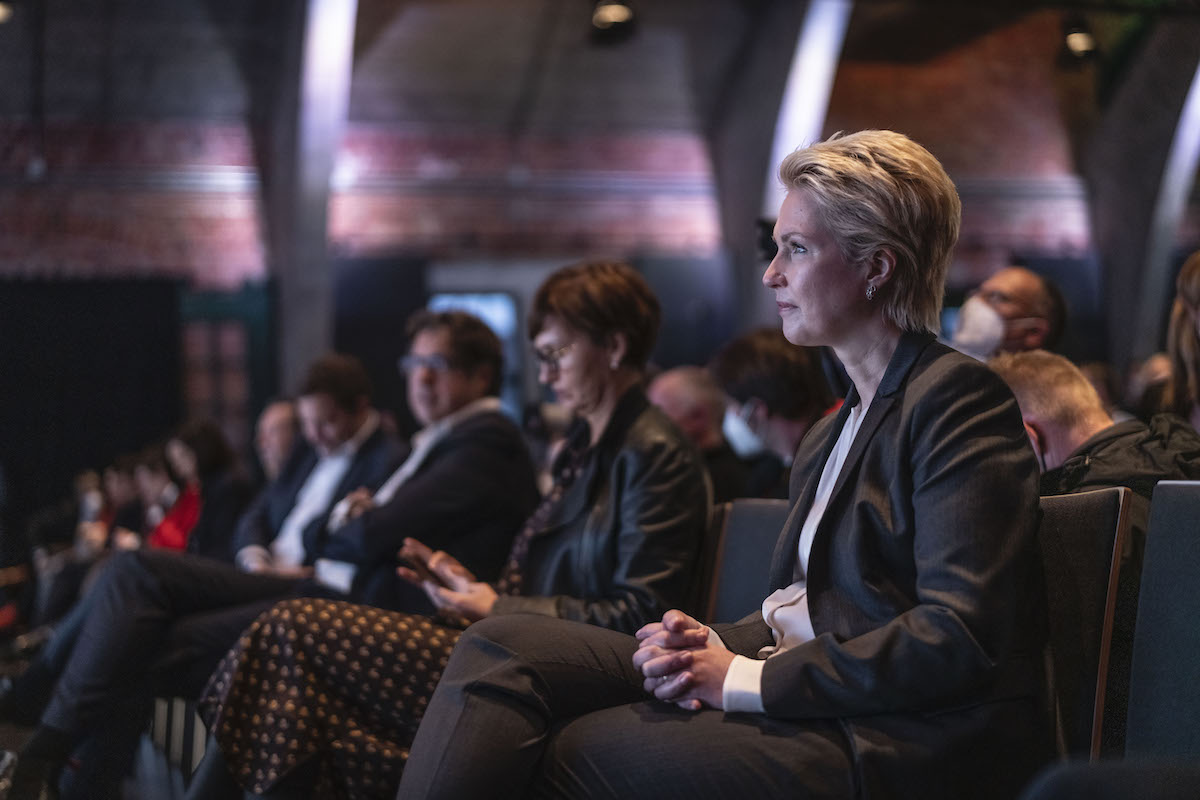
[[797, 248]]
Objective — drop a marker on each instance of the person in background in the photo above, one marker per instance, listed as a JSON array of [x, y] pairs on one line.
[[202, 459], [1182, 391], [776, 392], [1081, 447], [694, 402], [612, 545], [159, 620], [900, 654], [275, 436], [1015, 309]]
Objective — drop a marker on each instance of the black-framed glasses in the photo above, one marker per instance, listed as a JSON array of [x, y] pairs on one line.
[[550, 357], [436, 362]]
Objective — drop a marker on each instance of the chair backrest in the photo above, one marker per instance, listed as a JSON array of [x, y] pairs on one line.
[[746, 539], [1081, 537], [1164, 690]]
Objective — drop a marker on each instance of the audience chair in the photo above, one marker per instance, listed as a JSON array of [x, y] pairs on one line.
[[746, 532], [1116, 780], [1081, 536], [1164, 692]]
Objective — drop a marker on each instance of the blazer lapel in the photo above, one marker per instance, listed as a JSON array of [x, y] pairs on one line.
[[907, 351]]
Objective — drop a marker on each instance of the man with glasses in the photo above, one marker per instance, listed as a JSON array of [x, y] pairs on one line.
[[466, 486], [1012, 311]]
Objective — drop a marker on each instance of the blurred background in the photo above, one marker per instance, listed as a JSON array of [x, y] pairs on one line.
[[199, 196]]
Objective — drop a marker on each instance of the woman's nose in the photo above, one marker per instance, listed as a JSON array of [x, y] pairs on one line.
[[772, 278]]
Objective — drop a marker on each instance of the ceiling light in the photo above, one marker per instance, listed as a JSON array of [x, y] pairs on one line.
[[5, 12], [1079, 41], [611, 12]]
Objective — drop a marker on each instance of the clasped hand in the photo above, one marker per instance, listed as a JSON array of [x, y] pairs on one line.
[[448, 584], [680, 664]]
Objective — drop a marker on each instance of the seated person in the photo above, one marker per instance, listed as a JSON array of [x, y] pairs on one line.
[[172, 615], [613, 545], [901, 653], [275, 436], [1080, 447], [694, 402], [1014, 310], [776, 392]]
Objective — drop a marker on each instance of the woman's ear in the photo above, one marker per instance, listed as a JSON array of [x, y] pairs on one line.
[[618, 346], [881, 266]]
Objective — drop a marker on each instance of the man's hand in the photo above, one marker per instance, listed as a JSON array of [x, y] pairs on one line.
[[680, 664], [287, 572], [361, 500]]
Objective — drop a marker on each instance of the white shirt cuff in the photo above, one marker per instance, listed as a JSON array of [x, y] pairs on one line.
[[253, 558], [339, 515], [742, 690]]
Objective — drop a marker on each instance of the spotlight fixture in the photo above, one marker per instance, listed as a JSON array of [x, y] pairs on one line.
[[612, 20], [5, 12], [1078, 40]]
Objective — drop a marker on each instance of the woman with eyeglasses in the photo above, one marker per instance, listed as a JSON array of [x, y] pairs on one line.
[[612, 544]]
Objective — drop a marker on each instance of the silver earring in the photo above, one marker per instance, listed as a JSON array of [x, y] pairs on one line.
[[614, 364], [870, 292]]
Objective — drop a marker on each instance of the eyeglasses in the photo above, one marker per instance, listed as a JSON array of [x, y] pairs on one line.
[[550, 358], [436, 362]]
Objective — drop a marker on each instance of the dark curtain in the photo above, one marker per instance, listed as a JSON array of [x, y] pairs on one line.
[[89, 369]]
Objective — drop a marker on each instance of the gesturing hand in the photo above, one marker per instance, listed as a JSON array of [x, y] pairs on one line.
[[679, 662], [447, 583]]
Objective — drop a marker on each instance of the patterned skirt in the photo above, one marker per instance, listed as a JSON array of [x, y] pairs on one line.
[[326, 681]]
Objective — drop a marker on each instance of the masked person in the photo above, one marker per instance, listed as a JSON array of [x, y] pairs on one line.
[[776, 392], [1012, 311]]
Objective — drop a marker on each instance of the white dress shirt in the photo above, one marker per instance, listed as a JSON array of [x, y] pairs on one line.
[[316, 495], [786, 609], [340, 574]]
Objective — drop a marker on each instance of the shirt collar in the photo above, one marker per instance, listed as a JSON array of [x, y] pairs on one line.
[[350, 447], [436, 430]]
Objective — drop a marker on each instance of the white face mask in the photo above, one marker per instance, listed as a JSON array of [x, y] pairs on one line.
[[741, 437], [980, 330]]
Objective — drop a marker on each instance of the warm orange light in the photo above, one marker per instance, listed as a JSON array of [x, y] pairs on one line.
[[608, 14], [5, 12]]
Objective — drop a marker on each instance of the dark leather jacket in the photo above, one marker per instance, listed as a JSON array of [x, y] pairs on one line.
[[621, 548]]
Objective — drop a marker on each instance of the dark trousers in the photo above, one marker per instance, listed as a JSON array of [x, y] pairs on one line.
[[156, 619], [537, 707]]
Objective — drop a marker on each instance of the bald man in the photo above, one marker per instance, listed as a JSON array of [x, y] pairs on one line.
[[1013, 311], [694, 402]]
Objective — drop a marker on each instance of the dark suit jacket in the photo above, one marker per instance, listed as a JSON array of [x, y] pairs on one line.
[[621, 546], [923, 586], [469, 497], [378, 458], [223, 498]]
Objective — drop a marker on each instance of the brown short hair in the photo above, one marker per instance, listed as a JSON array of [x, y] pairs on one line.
[[342, 377], [1049, 388], [877, 190], [1183, 345], [763, 364], [601, 299], [473, 343]]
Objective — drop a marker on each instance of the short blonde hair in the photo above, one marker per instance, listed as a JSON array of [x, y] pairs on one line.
[[881, 190], [1049, 388]]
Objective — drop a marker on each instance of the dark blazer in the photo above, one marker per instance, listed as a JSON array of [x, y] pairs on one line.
[[620, 549], [223, 498], [469, 497], [923, 586], [378, 458]]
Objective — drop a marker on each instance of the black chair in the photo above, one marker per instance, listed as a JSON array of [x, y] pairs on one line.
[[1116, 780], [1164, 693], [1081, 537], [745, 534]]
